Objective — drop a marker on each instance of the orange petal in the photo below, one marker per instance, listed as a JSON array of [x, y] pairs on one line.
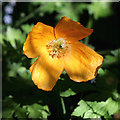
[[82, 63], [46, 71], [28, 49], [38, 38], [68, 29]]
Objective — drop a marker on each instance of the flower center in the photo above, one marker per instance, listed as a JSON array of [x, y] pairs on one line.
[[58, 48]]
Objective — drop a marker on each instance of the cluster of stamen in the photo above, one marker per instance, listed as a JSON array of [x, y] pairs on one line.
[[58, 48]]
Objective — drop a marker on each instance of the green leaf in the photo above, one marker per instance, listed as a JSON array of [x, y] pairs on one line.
[[81, 109], [81, 7], [112, 106], [13, 69], [68, 11], [116, 52], [96, 109], [2, 37], [45, 112], [37, 111], [109, 60], [103, 108], [20, 113], [8, 107], [101, 71], [13, 34], [90, 114], [27, 28], [23, 72], [33, 60], [17, 68], [67, 93], [100, 9]]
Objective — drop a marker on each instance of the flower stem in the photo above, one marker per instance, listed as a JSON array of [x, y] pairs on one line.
[[63, 106], [90, 22]]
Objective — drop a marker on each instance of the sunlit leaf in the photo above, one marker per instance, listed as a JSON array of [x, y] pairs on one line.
[[67, 93], [13, 34], [81, 109], [91, 114], [112, 106], [27, 28], [96, 109], [101, 71]]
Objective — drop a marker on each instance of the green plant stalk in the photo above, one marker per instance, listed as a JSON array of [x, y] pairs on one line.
[[27, 17], [63, 106], [90, 22]]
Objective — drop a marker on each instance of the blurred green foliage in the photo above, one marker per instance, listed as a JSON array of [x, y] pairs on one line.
[[102, 10], [68, 100]]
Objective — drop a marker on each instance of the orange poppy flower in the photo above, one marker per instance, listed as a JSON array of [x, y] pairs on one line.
[[59, 48]]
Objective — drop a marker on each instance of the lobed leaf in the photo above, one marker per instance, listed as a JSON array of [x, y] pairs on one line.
[[81, 109], [13, 34], [37, 111], [96, 109]]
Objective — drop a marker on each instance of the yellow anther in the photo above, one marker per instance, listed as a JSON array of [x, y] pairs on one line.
[[58, 48]]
